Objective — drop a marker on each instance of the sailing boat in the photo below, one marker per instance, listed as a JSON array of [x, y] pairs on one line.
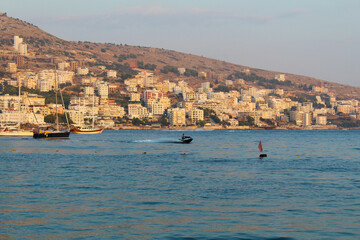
[[48, 131], [88, 129], [16, 131]]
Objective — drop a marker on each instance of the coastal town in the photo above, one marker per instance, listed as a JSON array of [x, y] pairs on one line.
[[152, 98]]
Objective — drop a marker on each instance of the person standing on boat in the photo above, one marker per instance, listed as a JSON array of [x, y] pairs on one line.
[[183, 136]]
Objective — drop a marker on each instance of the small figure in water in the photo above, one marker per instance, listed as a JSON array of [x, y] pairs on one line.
[[183, 136]]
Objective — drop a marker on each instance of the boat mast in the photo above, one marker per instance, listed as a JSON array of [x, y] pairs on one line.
[[93, 116], [19, 104], [56, 110]]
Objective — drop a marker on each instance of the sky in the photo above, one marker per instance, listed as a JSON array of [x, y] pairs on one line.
[[315, 38]]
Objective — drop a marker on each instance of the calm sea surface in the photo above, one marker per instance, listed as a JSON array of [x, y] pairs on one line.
[[106, 187]]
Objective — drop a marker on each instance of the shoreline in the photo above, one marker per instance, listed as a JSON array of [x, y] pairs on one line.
[[213, 128]]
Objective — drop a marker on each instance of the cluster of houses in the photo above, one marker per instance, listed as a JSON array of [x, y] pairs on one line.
[[148, 98]]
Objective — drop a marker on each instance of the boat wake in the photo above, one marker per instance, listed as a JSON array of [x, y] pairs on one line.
[[188, 130], [160, 140]]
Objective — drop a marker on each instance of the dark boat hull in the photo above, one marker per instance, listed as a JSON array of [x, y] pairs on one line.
[[52, 135], [186, 140]]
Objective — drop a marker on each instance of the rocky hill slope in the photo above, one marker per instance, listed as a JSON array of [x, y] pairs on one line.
[[44, 47]]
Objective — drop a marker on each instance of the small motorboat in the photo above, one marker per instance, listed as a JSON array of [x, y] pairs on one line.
[[185, 139]]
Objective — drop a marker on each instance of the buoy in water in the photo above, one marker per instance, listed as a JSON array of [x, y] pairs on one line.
[[145, 152], [182, 153], [57, 150], [14, 150], [95, 151], [262, 155]]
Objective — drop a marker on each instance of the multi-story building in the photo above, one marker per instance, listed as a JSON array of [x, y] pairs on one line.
[[134, 97], [89, 91], [135, 110], [307, 119], [321, 120], [20, 60], [64, 76], [298, 117], [103, 90], [11, 68], [345, 108], [196, 115], [111, 74], [82, 71], [45, 85], [23, 49], [33, 99], [7, 117], [111, 109], [76, 116], [88, 80], [177, 116], [9, 102], [165, 101], [150, 95], [17, 42], [157, 108], [280, 77]]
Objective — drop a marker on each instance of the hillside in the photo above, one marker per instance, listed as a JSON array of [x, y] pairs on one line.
[[45, 49]]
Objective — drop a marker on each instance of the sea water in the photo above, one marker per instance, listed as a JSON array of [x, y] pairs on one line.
[[141, 185]]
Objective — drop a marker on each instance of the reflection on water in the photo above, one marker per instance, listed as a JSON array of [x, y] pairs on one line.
[[104, 186]]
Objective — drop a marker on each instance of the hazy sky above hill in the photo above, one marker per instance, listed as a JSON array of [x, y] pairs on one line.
[[317, 38]]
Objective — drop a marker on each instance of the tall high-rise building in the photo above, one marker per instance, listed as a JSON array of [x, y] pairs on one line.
[[177, 116], [17, 42], [20, 60], [23, 49]]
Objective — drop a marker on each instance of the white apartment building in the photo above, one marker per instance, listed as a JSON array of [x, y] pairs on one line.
[[88, 80], [45, 85], [135, 97], [7, 117], [135, 110], [165, 101], [11, 67], [103, 90], [76, 116], [64, 77], [196, 115], [30, 80], [17, 42], [111, 74], [9, 102], [345, 108], [89, 91], [82, 71], [157, 108], [23, 49], [176, 116], [111, 110], [321, 120], [46, 80], [307, 107], [307, 119], [280, 77], [182, 70]]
